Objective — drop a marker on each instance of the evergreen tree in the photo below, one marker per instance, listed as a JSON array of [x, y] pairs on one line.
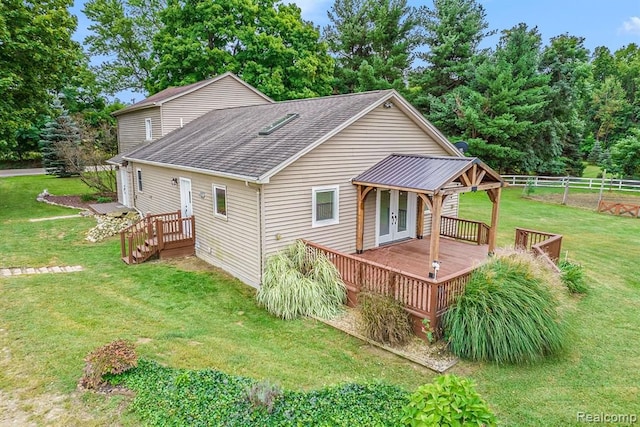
[[565, 61], [60, 137], [372, 42], [596, 153], [503, 109], [454, 30]]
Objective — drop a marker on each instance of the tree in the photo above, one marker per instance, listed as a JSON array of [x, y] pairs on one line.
[[122, 32], [264, 42], [60, 140], [566, 62], [609, 104], [454, 30], [503, 108], [373, 43], [625, 154], [37, 58]]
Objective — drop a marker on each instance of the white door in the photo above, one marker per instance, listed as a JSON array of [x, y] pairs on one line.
[[124, 184], [396, 215], [185, 197]]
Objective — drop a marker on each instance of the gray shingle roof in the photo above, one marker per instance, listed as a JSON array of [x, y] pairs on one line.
[[227, 141], [413, 171]]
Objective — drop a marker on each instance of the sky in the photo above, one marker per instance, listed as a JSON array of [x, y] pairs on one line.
[[611, 23]]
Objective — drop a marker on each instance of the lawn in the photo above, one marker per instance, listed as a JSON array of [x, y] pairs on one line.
[[200, 319]]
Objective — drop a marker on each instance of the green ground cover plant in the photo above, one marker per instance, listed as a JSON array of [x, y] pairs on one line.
[[167, 396], [188, 316], [573, 277]]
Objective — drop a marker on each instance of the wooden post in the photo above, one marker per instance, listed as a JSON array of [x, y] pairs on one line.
[[360, 221], [494, 196], [565, 196], [362, 195], [433, 306], [436, 214], [420, 219]]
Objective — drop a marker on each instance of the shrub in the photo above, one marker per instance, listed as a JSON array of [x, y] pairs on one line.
[[573, 277], [448, 401], [507, 313], [263, 394], [383, 319], [87, 197], [301, 281], [104, 199], [113, 358], [167, 396]]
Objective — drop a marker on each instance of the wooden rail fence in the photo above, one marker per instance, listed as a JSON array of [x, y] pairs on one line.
[[545, 245], [423, 298], [619, 208], [464, 229]]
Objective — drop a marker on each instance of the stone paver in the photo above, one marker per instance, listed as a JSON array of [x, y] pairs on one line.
[[6, 272], [51, 218]]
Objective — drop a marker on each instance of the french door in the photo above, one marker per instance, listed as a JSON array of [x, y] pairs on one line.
[[396, 215]]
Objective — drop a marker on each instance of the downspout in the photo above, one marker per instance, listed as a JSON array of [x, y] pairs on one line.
[[261, 228]]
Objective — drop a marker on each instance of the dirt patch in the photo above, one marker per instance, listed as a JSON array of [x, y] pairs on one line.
[[584, 200], [73, 201]]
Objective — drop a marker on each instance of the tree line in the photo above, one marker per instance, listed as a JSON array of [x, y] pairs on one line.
[[523, 105]]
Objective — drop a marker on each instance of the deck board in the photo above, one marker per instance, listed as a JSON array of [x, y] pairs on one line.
[[412, 256]]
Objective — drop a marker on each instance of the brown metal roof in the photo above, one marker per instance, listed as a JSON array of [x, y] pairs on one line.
[[427, 174]]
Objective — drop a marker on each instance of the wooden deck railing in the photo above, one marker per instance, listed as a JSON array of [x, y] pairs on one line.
[[619, 208], [422, 297], [545, 245], [464, 229], [155, 233]]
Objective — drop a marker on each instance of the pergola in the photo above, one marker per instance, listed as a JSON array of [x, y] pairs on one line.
[[433, 179]]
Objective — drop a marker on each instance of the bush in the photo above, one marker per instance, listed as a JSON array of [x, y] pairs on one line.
[[87, 197], [448, 401], [507, 313], [104, 199], [383, 319], [166, 396], [301, 281], [573, 277], [113, 358], [263, 394]]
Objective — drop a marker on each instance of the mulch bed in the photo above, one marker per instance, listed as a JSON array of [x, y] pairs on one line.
[[70, 201]]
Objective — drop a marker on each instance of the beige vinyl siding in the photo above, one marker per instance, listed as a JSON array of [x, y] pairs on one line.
[[336, 162], [232, 244], [131, 128], [224, 93]]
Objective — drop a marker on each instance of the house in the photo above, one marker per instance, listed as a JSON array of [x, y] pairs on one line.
[[160, 114], [258, 177]]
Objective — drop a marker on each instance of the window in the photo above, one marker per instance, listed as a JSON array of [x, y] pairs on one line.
[[148, 129], [220, 201], [139, 176], [325, 205]]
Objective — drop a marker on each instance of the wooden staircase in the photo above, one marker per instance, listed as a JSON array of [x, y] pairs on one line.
[[165, 236]]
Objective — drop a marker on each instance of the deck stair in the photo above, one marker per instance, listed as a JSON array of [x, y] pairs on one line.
[[158, 236]]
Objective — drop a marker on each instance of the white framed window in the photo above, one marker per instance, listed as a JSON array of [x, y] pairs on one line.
[[139, 179], [220, 201], [325, 205], [148, 129]]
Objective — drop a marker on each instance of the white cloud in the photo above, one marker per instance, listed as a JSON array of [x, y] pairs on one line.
[[631, 26]]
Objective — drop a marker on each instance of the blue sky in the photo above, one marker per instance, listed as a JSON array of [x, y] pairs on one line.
[[611, 23]]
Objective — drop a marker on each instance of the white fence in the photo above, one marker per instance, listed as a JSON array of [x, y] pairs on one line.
[[573, 182]]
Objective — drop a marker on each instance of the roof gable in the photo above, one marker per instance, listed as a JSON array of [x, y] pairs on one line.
[[172, 93]]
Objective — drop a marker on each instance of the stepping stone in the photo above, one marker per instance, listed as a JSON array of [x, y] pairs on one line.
[[42, 270], [16, 271], [5, 272], [55, 269], [30, 270]]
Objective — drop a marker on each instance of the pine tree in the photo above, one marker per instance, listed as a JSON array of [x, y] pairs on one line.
[[596, 153], [59, 141]]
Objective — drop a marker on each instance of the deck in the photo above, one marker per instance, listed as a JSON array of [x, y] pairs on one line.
[[412, 256]]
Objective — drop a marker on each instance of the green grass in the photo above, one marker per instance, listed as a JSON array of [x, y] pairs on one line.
[[601, 370], [591, 171], [180, 318], [196, 320]]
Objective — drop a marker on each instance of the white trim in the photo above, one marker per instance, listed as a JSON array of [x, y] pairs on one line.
[[139, 180], [148, 129], [214, 187], [209, 172], [336, 204]]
